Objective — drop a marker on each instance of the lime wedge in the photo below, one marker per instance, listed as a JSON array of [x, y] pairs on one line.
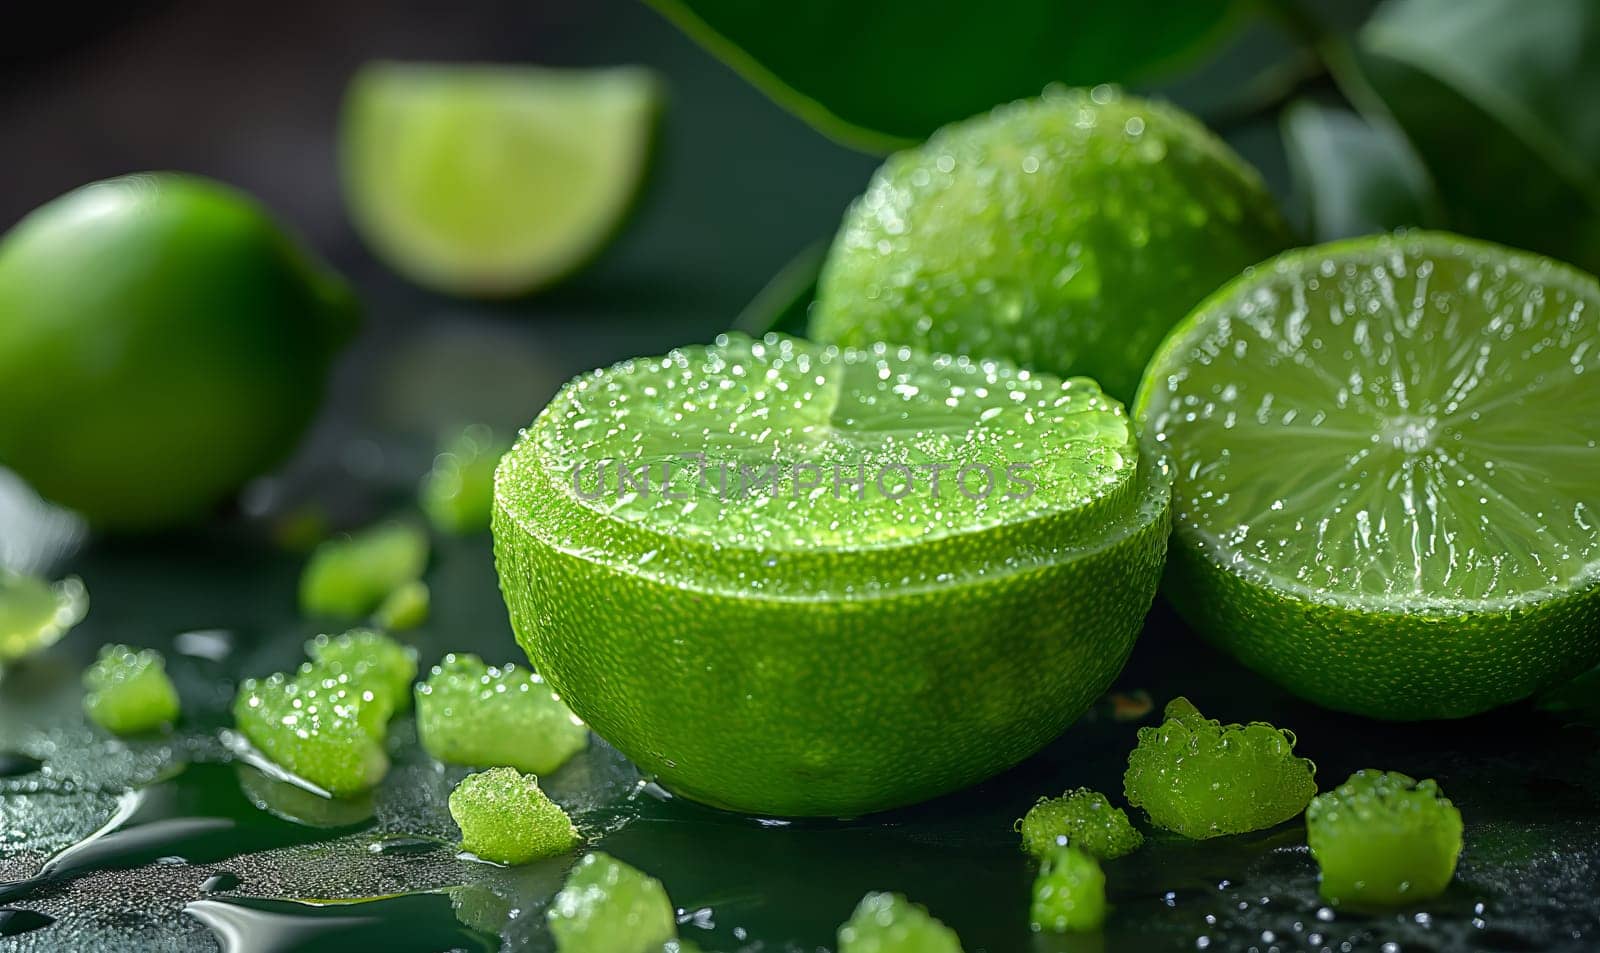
[[735, 564], [493, 181], [1385, 461]]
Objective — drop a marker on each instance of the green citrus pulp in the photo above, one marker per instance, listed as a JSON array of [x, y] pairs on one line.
[[788, 649], [1384, 458], [1066, 233], [493, 181]]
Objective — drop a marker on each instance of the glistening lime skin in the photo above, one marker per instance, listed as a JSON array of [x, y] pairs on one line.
[[803, 679], [161, 341], [1385, 450], [1064, 233]]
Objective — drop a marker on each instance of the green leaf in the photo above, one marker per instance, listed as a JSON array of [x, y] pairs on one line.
[[1351, 176], [1497, 97], [784, 303], [880, 75]]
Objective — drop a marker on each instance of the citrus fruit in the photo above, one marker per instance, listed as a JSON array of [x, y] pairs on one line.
[[493, 181], [486, 716], [1066, 234], [1383, 839], [35, 614], [858, 580], [161, 341], [1385, 459]]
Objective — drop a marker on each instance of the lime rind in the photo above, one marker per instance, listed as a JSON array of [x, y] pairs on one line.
[[885, 411], [490, 180], [1200, 778], [1083, 819], [35, 614], [1433, 394], [1382, 839]]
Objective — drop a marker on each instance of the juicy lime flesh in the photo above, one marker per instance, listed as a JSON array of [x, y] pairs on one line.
[[1384, 456], [799, 454], [1066, 234], [864, 678], [493, 179], [1382, 839]]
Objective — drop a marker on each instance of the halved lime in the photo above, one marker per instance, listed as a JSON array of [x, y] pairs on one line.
[[493, 181], [1385, 464], [1066, 233], [735, 563]]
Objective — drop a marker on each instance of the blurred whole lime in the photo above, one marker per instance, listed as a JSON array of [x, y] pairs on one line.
[[161, 341], [1064, 233]]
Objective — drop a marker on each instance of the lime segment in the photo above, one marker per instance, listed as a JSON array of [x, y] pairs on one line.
[[1385, 453], [493, 180]]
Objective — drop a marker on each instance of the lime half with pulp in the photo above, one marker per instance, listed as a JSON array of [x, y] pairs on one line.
[[794, 580], [493, 181], [1385, 464]]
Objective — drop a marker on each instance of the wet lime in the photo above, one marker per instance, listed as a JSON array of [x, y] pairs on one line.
[[1385, 453], [161, 341], [794, 580], [493, 181]]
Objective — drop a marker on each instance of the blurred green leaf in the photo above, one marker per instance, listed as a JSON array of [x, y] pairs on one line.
[[1351, 176], [880, 75], [1497, 97], [784, 303]]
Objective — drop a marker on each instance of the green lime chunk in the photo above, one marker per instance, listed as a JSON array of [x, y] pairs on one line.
[[34, 614], [770, 572], [1383, 839], [370, 660], [1201, 778], [505, 818], [405, 608], [1065, 233], [1083, 819], [127, 691], [610, 907], [317, 726], [1385, 454], [458, 493], [163, 342], [483, 716], [493, 180], [889, 923], [1069, 895], [350, 577]]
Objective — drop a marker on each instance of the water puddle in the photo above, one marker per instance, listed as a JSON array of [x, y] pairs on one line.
[[405, 923]]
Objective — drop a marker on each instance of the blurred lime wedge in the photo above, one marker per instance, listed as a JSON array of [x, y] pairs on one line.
[[493, 181]]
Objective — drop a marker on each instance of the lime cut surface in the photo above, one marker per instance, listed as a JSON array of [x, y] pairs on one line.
[[1385, 460], [493, 181], [765, 638]]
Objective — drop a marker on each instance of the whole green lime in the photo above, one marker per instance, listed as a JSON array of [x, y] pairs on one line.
[[1065, 234], [792, 580], [161, 341], [1385, 453]]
